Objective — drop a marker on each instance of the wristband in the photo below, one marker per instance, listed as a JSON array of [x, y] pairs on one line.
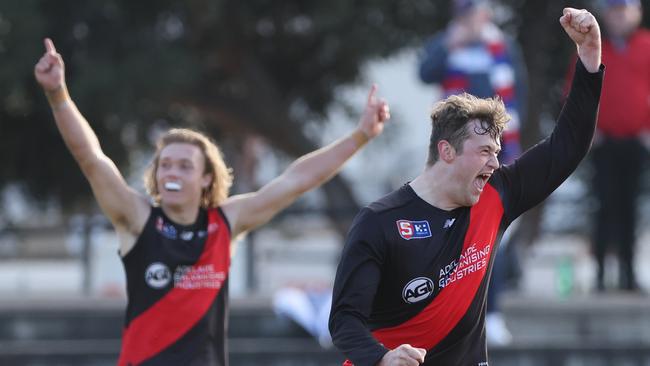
[[360, 138], [57, 98]]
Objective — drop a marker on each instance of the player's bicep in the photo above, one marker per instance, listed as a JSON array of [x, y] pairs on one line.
[[357, 281], [248, 211], [359, 272], [532, 178]]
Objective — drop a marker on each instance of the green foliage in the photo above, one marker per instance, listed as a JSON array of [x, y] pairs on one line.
[[229, 67], [233, 64]]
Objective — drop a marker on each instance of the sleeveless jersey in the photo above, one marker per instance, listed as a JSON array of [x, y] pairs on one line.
[[177, 287]]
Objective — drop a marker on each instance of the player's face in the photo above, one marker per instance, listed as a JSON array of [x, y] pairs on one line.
[[475, 165], [180, 177]]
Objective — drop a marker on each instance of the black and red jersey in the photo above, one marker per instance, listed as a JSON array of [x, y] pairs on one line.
[[177, 286], [414, 274]]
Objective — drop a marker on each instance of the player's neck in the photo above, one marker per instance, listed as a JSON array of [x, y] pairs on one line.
[[432, 186], [181, 214]]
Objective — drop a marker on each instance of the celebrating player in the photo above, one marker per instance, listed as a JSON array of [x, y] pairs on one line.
[[412, 282], [177, 251]]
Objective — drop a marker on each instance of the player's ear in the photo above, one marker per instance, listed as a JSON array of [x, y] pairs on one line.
[[446, 151], [206, 180]]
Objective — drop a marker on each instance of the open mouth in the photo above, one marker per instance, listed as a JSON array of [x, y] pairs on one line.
[[481, 180], [173, 186]]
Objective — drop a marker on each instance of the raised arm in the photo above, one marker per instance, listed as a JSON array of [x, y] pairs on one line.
[[126, 209], [540, 170], [248, 211]]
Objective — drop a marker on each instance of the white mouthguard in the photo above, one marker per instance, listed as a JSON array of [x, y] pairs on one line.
[[173, 186]]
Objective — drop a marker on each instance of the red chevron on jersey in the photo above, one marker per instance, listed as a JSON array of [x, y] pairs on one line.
[[183, 306], [434, 322]]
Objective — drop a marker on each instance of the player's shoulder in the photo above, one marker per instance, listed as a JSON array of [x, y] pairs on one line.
[[394, 200], [369, 224], [504, 176]]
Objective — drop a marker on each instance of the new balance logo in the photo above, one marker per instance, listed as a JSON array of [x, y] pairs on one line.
[[448, 223]]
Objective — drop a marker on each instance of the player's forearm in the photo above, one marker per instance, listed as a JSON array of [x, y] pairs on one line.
[[577, 121], [545, 166], [591, 58], [315, 168], [351, 337], [75, 130]]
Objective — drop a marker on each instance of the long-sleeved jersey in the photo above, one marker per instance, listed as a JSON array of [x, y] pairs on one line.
[[414, 274]]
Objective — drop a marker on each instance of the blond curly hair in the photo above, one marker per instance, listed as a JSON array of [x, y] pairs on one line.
[[217, 191]]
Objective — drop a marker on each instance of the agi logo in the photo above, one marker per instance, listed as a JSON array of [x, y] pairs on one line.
[[413, 229], [417, 289], [157, 275]]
